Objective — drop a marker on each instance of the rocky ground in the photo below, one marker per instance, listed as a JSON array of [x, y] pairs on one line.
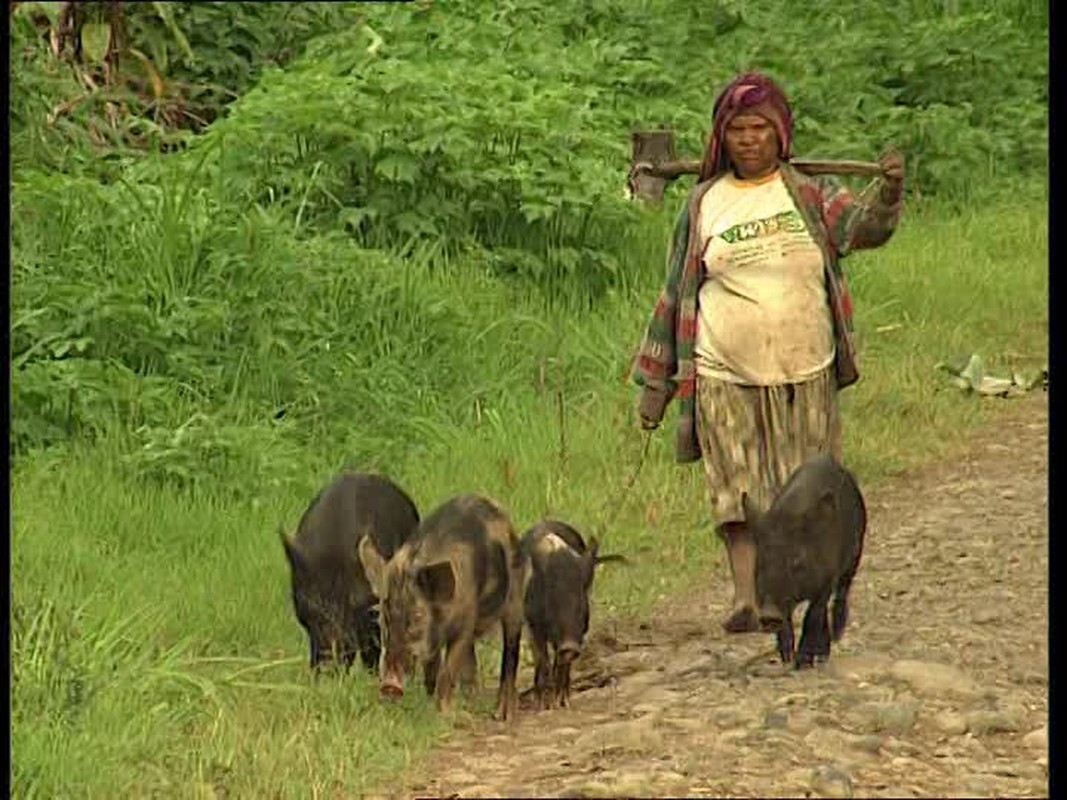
[[938, 688]]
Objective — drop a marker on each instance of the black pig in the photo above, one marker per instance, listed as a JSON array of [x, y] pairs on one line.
[[808, 547], [559, 578], [332, 598], [461, 575]]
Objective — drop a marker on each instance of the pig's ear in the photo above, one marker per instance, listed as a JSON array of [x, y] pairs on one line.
[[749, 509], [373, 564], [292, 551], [436, 582]]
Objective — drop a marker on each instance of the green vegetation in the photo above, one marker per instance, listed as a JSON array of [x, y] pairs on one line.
[[407, 249]]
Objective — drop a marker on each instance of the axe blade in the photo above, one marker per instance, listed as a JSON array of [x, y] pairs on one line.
[[651, 147]]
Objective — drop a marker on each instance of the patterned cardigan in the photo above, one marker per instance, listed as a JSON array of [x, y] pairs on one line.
[[839, 222]]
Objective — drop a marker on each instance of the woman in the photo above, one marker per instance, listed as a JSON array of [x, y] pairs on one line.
[[752, 331]]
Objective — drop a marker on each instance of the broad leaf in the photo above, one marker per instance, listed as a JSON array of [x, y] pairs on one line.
[[96, 37]]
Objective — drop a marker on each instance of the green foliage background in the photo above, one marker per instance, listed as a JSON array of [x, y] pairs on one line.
[[408, 138]]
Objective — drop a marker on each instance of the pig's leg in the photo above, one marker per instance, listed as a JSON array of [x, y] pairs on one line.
[[567, 683], [429, 673], [839, 617], [541, 667], [785, 635], [348, 658], [562, 681], [469, 676], [508, 697], [840, 608], [368, 638], [815, 637], [785, 640], [456, 652]]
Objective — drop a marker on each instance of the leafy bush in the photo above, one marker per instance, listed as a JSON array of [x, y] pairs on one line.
[[140, 75], [398, 181]]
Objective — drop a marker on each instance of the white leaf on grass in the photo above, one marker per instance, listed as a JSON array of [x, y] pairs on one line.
[[968, 374]]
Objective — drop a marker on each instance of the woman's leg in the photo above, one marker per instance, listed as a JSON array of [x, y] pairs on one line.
[[741, 553], [731, 442]]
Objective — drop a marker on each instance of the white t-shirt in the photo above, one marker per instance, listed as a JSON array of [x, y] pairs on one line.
[[763, 318]]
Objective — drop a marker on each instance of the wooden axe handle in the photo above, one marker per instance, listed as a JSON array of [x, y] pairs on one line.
[[669, 170], [815, 166]]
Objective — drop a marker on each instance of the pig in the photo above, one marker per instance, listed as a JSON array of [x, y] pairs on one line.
[[332, 597], [459, 576], [558, 580], [808, 547]]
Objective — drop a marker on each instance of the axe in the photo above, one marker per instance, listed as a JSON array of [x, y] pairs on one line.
[[653, 164]]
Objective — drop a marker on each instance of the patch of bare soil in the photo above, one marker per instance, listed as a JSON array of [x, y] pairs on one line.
[[938, 687]]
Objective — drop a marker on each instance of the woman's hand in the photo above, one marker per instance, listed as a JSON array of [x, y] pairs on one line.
[[892, 164]]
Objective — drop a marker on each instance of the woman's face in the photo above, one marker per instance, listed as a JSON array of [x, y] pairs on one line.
[[752, 145]]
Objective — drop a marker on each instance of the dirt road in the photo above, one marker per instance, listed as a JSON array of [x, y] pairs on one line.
[[938, 688]]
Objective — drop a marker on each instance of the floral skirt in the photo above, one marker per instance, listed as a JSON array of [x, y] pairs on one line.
[[754, 437]]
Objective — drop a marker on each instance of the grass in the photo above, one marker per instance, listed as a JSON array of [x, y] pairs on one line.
[[154, 650]]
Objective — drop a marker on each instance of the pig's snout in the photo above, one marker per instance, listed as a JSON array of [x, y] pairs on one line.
[[568, 651], [391, 686]]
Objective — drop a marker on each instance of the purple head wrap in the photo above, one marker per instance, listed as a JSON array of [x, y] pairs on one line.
[[752, 93]]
